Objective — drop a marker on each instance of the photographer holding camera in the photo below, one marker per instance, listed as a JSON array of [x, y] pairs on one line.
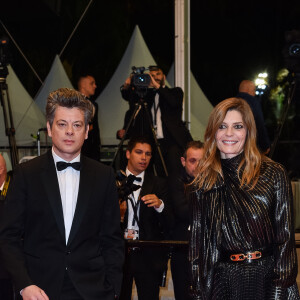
[[147, 218], [164, 106]]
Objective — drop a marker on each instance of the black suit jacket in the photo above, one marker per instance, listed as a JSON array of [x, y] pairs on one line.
[[170, 102], [153, 225], [262, 138], [32, 234], [179, 190]]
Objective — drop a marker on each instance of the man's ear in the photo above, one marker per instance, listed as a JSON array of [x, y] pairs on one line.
[[182, 161], [87, 131], [127, 154], [49, 129]]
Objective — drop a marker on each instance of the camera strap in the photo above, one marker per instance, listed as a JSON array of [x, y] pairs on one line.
[[5, 188], [135, 207], [155, 110]]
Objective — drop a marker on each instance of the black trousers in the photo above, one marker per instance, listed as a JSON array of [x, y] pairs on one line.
[[140, 266], [180, 274], [68, 290], [6, 289]]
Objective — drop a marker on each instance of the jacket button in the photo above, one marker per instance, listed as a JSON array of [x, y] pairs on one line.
[[68, 252]]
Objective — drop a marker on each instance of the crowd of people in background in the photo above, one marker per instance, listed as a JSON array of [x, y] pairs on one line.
[[220, 209]]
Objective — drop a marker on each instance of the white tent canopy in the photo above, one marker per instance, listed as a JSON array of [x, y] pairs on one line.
[[27, 117], [112, 107], [56, 78], [200, 107]]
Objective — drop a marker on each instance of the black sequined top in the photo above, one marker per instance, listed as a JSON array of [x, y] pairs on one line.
[[232, 219]]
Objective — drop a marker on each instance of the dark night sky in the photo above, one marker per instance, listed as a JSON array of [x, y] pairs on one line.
[[230, 40]]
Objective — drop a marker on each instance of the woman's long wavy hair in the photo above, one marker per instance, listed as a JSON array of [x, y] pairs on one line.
[[209, 168]]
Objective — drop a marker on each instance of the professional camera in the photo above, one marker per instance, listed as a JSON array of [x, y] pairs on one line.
[[291, 51], [139, 79], [125, 185]]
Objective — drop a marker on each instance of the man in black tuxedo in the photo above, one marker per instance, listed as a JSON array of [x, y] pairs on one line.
[[179, 198], [147, 218], [60, 235], [164, 107]]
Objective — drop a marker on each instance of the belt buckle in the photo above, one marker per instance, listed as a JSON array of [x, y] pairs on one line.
[[254, 255], [238, 257], [133, 249], [249, 256]]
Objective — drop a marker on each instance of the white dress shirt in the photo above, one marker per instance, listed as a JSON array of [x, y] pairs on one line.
[[156, 116], [68, 180], [135, 198]]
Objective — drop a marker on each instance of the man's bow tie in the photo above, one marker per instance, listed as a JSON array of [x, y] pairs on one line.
[[61, 165], [134, 178]]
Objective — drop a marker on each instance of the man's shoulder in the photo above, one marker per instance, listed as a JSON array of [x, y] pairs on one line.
[[37, 162], [95, 165], [150, 177], [247, 97], [176, 89]]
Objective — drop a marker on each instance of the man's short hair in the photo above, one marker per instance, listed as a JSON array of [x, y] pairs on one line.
[[139, 139], [68, 98], [192, 144], [82, 76], [155, 68]]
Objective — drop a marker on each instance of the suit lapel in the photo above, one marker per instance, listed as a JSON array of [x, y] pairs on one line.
[[85, 188], [146, 189], [50, 183]]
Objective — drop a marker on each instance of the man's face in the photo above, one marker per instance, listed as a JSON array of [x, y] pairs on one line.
[[68, 132], [158, 76], [88, 86], [193, 156], [139, 158]]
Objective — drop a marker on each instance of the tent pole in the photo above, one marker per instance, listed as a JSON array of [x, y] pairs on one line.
[[35, 73], [182, 53], [80, 19]]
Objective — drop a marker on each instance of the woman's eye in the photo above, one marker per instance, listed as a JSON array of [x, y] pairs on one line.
[[239, 126]]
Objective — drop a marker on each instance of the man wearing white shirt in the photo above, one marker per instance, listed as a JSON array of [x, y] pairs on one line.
[[147, 218], [64, 208]]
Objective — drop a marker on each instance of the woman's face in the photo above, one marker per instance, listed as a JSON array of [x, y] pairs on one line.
[[231, 135]]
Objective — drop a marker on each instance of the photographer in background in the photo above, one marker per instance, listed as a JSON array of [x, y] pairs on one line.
[[165, 110], [146, 218]]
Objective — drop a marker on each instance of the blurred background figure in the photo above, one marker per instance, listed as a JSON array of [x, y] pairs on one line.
[[92, 145], [179, 189], [247, 90]]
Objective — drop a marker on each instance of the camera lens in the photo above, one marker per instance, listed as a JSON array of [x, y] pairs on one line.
[[294, 50]]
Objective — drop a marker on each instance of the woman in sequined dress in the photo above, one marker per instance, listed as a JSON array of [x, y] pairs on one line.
[[242, 242]]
